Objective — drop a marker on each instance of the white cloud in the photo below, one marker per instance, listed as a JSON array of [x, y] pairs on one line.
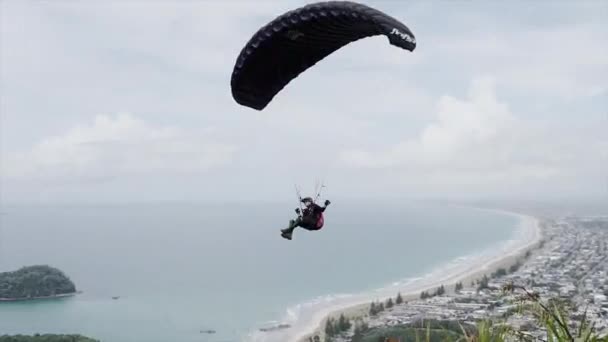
[[478, 145], [111, 147], [460, 125]]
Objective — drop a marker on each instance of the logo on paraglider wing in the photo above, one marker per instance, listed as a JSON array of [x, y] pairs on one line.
[[403, 36], [294, 34]]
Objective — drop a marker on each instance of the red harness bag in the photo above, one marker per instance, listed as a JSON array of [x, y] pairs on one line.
[[320, 221]]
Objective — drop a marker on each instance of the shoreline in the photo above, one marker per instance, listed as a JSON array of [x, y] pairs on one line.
[[25, 299], [528, 236]]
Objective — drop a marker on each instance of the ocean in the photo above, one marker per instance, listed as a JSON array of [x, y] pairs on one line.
[[180, 268]]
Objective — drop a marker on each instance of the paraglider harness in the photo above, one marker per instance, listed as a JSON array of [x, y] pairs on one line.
[[312, 216]]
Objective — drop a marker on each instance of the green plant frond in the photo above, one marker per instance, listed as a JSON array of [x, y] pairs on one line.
[[583, 326], [484, 331], [588, 333], [549, 336], [464, 332]]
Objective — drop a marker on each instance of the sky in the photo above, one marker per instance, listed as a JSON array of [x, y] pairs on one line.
[[130, 101]]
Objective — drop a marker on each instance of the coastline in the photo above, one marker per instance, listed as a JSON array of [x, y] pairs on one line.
[[528, 233], [24, 299]]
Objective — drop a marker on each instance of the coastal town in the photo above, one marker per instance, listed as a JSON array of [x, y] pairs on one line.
[[569, 264]]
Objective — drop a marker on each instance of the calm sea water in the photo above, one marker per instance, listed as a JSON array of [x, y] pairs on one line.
[[182, 268]]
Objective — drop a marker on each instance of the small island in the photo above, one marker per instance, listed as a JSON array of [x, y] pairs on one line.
[[45, 338], [35, 282]]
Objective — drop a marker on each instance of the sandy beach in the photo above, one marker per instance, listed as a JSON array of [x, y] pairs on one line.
[[527, 237]]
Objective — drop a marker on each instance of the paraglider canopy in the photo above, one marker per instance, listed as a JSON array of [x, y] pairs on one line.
[[293, 42]]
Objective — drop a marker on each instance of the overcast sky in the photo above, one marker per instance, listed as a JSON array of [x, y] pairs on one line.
[[130, 101]]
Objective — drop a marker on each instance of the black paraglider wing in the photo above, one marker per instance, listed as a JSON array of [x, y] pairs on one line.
[[293, 42]]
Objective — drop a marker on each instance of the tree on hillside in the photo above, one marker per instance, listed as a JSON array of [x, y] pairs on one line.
[[458, 287], [483, 284], [439, 291], [343, 323], [399, 299], [330, 329]]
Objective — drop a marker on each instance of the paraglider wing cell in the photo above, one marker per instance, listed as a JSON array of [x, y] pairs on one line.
[[293, 42]]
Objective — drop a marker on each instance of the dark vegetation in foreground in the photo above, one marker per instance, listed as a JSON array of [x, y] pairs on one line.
[[45, 338], [34, 282], [551, 315]]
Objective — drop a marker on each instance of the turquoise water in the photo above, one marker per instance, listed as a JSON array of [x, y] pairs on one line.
[[182, 268]]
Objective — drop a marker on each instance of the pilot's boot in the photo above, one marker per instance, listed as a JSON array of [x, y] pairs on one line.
[[287, 232], [292, 225]]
